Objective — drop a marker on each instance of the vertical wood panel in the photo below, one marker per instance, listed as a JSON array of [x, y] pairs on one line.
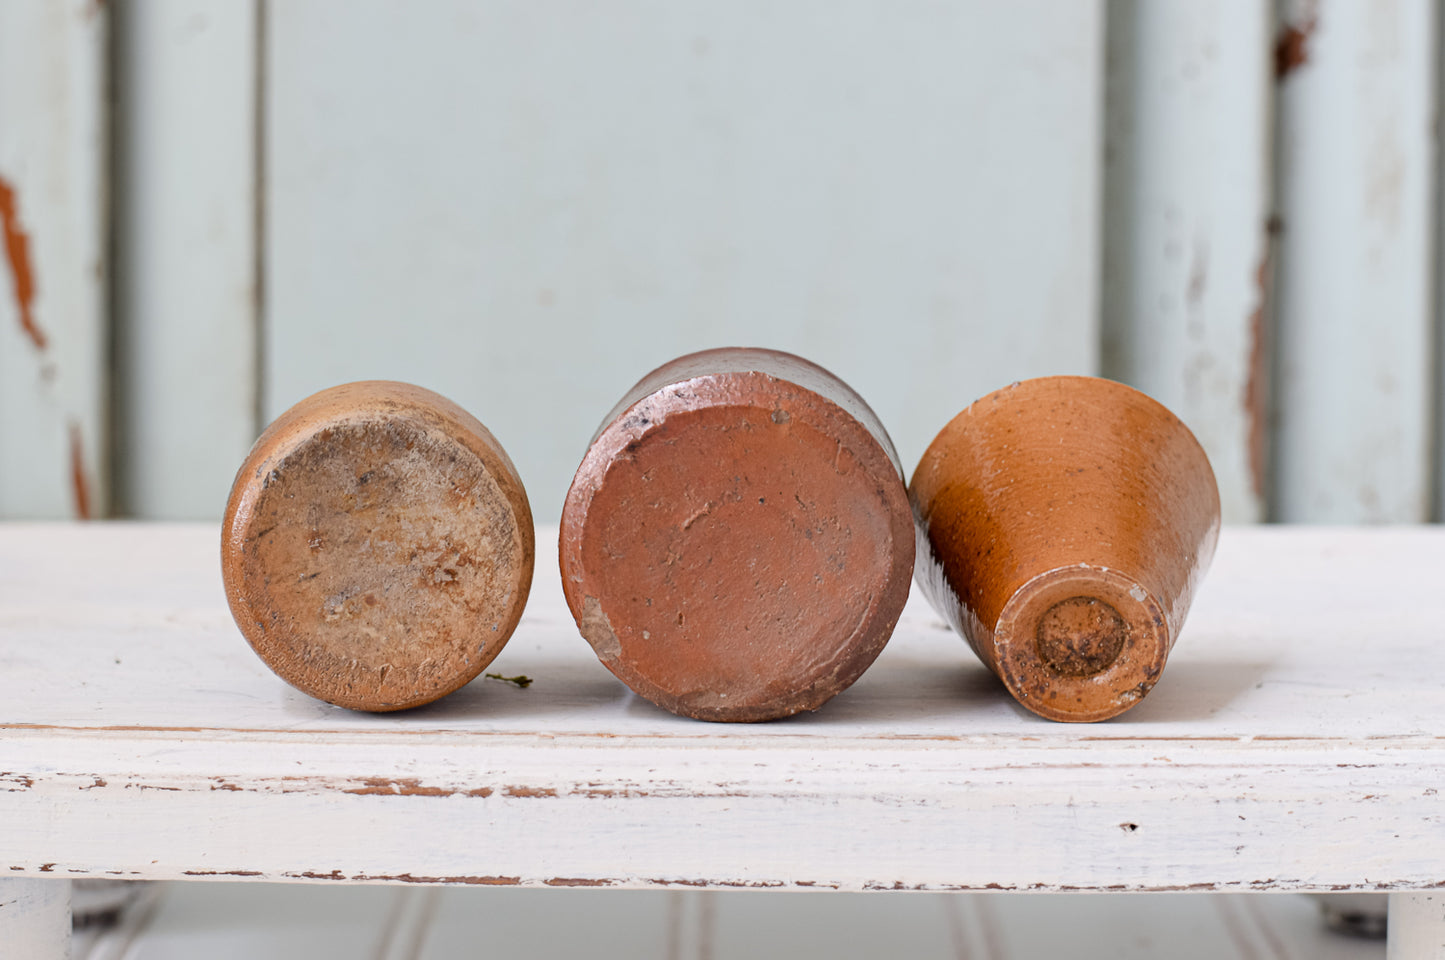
[[1356, 192], [1187, 185], [186, 257], [53, 445], [527, 207]]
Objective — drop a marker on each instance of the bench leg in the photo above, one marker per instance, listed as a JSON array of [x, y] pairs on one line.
[[35, 918], [1417, 927]]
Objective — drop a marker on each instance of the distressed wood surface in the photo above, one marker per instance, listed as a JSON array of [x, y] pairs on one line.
[[1293, 743], [53, 444], [1186, 210], [1357, 197], [187, 329], [550, 206]]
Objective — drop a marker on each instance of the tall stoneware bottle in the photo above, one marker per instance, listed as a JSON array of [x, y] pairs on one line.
[[1064, 524], [377, 547], [737, 543]]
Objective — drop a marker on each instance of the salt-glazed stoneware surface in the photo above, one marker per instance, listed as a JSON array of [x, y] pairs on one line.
[[737, 544], [377, 547], [1064, 524]]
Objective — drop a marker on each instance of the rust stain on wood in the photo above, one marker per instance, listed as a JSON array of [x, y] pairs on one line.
[[17, 252], [1291, 47], [80, 490]]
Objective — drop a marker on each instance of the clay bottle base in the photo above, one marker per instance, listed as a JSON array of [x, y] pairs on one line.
[[377, 550], [737, 547], [1080, 643]]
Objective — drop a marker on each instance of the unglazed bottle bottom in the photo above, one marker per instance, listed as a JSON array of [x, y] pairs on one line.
[[1081, 643]]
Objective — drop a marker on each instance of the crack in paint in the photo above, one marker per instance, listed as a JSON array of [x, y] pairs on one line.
[[17, 252], [80, 489], [1256, 385]]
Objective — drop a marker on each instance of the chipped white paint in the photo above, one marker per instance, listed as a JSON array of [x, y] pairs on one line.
[[543, 207], [1356, 193], [1187, 200], [186, 299], [52, 258], [35, 919], [1275, 754]]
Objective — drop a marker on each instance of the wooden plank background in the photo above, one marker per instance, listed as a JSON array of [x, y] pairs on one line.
[[54, 438], [1234, 206]]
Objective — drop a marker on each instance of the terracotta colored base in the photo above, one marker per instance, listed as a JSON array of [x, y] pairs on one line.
[[1066, 522], [377, 547], [737, 546]]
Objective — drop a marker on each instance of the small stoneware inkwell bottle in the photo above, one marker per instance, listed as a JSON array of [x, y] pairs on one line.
[[1064, 524], [737, 543], [377, 547]]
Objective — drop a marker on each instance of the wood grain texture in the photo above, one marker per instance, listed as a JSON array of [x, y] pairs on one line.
[[1186, 210], [53, 384], [186, 299], [1292, 745], [548, 196], [1356, 192]]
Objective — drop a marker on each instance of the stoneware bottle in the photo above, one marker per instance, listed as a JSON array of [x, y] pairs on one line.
[[1064, 524], [377, 547], [737, 544]]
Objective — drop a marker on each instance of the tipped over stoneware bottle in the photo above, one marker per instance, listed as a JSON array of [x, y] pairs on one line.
[[1064, 524], [737, 544], [377, 547]]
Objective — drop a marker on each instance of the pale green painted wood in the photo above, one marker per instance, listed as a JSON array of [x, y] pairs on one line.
[[527, 208], [1357, 195], [53, 332], [1187, 205], [187, 284]]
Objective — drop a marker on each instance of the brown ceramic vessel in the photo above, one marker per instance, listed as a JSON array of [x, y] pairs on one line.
[[377, 547], [1064, 524], [737, 544]]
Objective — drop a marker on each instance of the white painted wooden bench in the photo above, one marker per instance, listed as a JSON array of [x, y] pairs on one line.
[[1295, 743]]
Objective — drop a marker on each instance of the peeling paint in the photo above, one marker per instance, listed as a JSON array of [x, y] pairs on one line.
[[17, 252], [1291, 47], [576, 882], [511, 791], [80, 489], [409, 878], [411, 787], [222, 873], [21, 782]]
